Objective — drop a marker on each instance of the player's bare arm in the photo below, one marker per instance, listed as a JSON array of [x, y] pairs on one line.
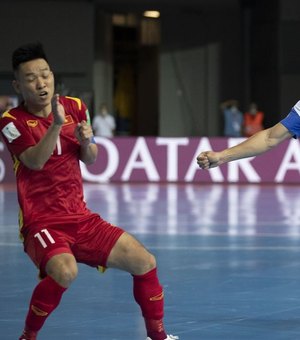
[[257, 144], [36, 156], [89, 150]]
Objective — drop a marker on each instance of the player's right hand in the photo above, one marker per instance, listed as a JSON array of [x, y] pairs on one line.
[[57, 110], [208, 159]]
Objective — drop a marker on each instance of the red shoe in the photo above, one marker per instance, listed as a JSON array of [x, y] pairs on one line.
[[28, 335]]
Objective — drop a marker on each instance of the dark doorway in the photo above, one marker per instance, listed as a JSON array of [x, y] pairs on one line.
[[136, 75]]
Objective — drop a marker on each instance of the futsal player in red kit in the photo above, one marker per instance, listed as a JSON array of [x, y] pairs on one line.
[[47, 135]]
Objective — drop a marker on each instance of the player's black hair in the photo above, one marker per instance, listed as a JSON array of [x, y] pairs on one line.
[[26, 53]]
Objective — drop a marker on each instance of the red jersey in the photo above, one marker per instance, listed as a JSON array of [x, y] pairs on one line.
[[55, 193]]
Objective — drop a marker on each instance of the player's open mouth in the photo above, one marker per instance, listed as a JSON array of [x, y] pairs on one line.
[[43, 94]]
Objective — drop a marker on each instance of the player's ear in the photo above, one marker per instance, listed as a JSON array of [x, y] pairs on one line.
[[16, 85]]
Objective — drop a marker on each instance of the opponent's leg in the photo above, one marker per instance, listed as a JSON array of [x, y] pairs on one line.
[[130, 255], [62, 270]]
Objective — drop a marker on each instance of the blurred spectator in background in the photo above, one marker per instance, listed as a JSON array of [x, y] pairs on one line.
[[253, 120], [7, 102], [233, 118], [104, 123]]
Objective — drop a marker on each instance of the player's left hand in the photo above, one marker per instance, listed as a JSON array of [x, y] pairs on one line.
[[84, 133]]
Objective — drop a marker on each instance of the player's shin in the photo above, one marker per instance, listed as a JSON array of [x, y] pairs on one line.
[[148, 293], [45, 298]]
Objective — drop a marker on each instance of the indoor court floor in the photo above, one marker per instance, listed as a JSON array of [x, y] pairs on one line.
[[228, 258]]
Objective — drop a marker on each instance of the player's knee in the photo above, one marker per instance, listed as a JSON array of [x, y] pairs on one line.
[[65, 275], [148, 263], [63, 269], [152, 261]]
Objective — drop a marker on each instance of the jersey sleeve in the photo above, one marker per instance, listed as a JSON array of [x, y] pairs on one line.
[[292, 121], [86, 113], [15, 135], [78, 108], [83, 112]]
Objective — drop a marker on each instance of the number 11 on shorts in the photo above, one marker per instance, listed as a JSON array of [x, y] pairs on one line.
[[47, 237]]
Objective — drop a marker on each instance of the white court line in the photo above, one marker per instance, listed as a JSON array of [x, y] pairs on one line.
[[287, 235], [229, 248], [197, 248], [11, 244], [196, 233]]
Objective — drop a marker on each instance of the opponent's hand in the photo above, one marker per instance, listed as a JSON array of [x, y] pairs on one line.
[[58, 111], [84, 133], [208, 159]]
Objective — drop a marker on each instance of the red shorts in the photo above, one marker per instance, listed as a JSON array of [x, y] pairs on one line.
[[90, 241]]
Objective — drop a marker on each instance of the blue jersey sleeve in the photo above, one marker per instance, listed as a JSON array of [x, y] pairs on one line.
[[292, 121]]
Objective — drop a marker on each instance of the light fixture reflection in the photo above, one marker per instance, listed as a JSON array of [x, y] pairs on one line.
[[151, 14]]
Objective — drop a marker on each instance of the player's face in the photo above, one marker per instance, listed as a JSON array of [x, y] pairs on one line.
[[35, 82]]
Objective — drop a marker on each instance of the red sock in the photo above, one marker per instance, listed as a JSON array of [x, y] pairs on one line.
[[45, 298], [148, 293]]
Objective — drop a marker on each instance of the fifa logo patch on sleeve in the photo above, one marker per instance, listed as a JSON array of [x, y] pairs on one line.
[[11, 132]]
